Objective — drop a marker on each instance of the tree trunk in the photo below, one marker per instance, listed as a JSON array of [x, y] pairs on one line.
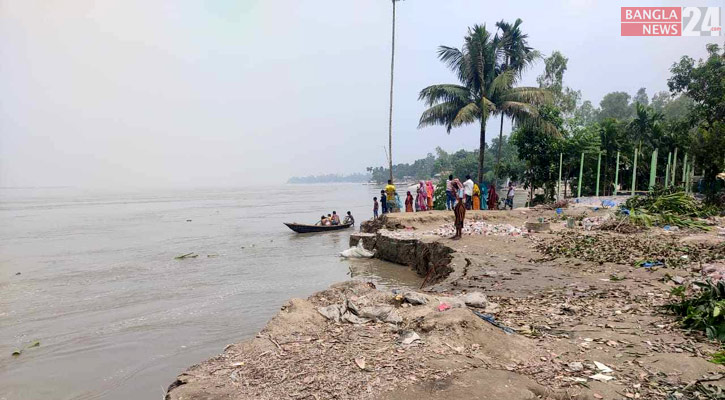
[[390, 120], [481, 151], [498, 152]]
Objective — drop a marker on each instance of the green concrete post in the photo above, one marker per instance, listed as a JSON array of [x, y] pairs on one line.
[[581, 171], [653, 170], [667, 170], [558, 187], [616, 176], [599, 167], [634, 172], [673, 181], [685, 177], [692, 173], [684, 168]]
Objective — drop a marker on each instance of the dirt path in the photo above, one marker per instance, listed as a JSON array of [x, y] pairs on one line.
[[586, 327]]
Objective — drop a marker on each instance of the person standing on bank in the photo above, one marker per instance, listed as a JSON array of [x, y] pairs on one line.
[[383, 202], [375, 207], [431, 190], [408, 202], [459, 209], [476, 197], [450, 198], [468, 190], [510, 196], [390, 196], [422, 196]]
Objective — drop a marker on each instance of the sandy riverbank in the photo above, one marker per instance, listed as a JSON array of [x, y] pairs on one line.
[[566, 314]]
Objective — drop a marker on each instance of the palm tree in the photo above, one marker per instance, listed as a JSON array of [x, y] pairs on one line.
[[485, 88], [517, 57]]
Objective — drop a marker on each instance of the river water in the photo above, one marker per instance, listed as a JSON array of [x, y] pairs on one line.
[[92, 276]]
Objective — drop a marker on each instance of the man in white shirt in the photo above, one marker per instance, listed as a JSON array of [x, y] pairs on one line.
[[510, 196], [468, 190]]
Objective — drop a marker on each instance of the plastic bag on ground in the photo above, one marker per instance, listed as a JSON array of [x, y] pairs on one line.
[[357, 252]]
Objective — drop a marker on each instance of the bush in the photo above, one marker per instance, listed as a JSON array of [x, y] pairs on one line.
[[704, 312], [439, 195]]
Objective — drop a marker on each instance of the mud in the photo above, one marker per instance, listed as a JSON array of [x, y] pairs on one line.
[[567, 312]]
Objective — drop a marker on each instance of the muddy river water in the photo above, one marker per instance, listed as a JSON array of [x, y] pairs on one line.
[[92, 276]]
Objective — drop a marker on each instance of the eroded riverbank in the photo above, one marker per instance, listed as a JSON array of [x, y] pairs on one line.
[[584, 327]]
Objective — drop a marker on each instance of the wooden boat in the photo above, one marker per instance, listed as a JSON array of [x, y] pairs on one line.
[[302, 228]]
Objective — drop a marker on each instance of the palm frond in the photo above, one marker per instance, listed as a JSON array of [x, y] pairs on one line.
[[451, 56], [439, 114], [528, 94], [435, 94], [466, 115]]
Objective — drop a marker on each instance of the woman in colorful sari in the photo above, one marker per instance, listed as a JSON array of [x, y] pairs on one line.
[[484, 197], [429, 186], [398, 202], [422, 196], [409, 202], [476, 197], [492, 198]]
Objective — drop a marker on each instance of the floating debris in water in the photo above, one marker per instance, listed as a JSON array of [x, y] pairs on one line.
[[187, 255]]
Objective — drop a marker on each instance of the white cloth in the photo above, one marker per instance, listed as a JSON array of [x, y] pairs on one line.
[[449, 185], [468, 187], [510, 192]]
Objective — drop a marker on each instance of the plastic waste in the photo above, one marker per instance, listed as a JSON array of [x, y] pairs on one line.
[[601, 377], [409, 337], [357, 252], [602, 367], [650, 264], [559, 211], [491, 320]]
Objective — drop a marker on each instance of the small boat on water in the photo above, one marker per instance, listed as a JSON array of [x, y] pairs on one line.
[[302, 228]]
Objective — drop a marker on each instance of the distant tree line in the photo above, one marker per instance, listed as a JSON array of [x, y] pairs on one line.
[[460, 163], [331, 178]]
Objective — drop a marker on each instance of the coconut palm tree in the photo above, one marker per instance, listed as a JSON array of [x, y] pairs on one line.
[[485, 88], [517, 57]]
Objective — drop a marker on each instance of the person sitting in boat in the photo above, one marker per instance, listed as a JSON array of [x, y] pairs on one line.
[[349, 219], [328, 220], [322, 221], [335, 218]]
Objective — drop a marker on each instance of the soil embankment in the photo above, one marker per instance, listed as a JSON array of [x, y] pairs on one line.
[[561, 314]]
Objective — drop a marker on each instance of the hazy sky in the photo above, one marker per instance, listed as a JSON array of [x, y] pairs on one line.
[[209, 93]]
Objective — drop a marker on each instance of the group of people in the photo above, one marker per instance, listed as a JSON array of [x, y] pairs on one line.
[[474, 195], [390, 201], [460, 196], [467, 196], [334, 219]]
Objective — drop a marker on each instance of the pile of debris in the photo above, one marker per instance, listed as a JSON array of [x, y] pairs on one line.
[[479, 228], [355, 342], [631, 250]]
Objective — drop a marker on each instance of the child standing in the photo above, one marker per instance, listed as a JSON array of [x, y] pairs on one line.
[[375, 207], [384, 202]]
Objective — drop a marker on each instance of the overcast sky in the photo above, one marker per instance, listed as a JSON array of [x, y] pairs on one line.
[[137, 93]]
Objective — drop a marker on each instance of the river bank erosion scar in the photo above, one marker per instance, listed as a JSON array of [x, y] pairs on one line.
[[505, 312]]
